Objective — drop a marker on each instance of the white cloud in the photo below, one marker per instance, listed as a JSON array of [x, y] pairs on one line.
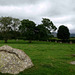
[[59, 11], [28, 10]]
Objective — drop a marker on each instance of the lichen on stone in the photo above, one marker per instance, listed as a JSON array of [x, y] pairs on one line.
[[13, 60]]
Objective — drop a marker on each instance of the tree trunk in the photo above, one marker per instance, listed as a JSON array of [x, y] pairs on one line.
[[30, 41], [5, 40]]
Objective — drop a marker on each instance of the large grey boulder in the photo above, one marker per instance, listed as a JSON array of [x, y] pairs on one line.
[[13, 60]]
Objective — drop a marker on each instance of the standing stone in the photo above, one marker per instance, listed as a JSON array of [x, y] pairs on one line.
[[60, 42], [13, 60], [55, 41], [70, 42], [73, 55], [73, 62]]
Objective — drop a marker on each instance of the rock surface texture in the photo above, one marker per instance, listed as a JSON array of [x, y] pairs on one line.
[[13, 60], [73, 62]]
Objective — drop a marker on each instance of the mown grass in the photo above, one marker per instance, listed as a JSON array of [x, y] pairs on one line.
[[48, 58]]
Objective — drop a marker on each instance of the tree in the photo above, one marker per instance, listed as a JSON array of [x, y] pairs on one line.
[[7, 27], [63, 33], [49, 24], [27, 29], [15, 27], [41, 33], [15, 24]]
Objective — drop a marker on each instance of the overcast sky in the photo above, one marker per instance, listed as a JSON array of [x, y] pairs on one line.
[[61, 12]]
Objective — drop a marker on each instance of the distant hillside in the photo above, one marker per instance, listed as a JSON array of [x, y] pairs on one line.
[[72, 35], [54, 34]]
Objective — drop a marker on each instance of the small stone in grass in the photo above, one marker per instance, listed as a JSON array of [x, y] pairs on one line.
[[73, 62], [73, 55]]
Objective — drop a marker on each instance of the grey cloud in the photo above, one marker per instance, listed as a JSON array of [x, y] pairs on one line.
[[18, 2], [59, 11], [72, 31], [61, 7]]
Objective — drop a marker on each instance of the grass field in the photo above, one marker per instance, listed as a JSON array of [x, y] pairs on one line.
[[48, 58]]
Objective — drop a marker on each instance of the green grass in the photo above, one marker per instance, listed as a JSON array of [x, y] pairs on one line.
[[48, 58]]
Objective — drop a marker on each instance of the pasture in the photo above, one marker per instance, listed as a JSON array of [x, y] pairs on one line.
[[49, 58]]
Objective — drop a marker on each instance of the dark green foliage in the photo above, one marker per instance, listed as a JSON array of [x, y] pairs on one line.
[[41, 33], [49, 24], [63, 33], [27, 29], [7, 27], [15, 34], [13, 28]]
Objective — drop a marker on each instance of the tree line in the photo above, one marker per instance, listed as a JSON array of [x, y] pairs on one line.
[[13, 28]]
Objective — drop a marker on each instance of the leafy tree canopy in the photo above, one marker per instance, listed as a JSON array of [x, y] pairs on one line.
[[49, 24], [7, 25], [41, 32], [63, 33], [27, 28]]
